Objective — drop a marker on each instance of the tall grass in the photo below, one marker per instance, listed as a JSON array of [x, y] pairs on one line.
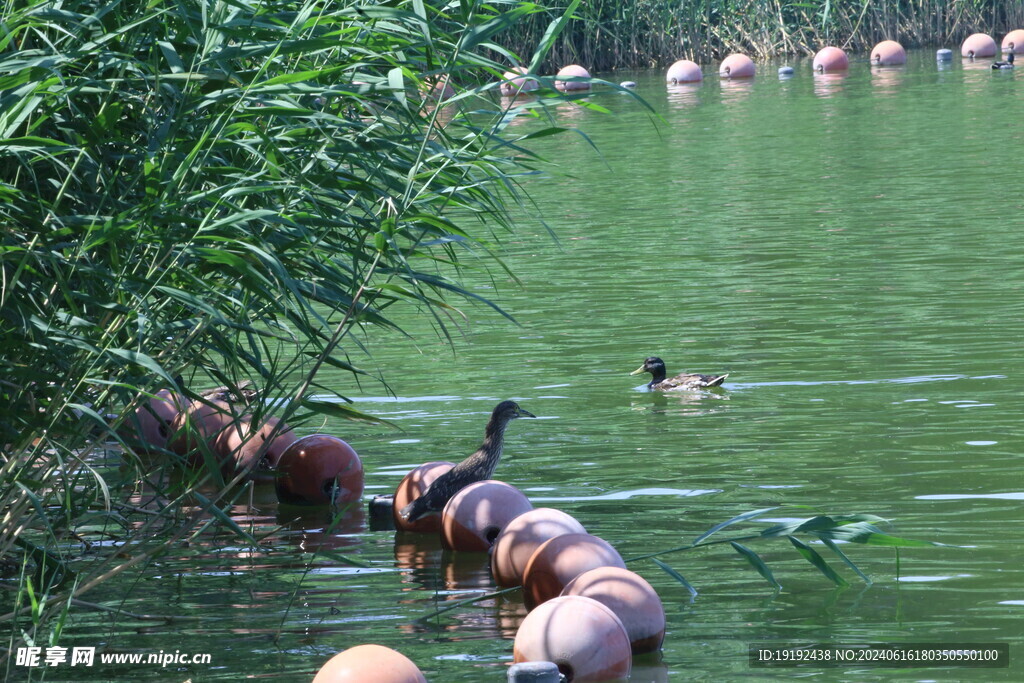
[[201, 193], [646, 33]]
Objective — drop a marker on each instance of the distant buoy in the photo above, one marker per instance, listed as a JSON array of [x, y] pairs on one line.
[[785, 71], [474, 516], [944, 55], [515, 82], [522, 536], [317, 470], [684, 71], [978, 45], [561, 559], [369, 663], [580, 635], [888, 53], [632, 599], [736, 66], [1013, 42], [572, 71], [831, 59], [153, 419], [628, 84], [414, 485]]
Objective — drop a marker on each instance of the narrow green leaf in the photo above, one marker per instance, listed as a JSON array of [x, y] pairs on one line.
[[676, 575], [757, 563], [225, 519], [738, 518], [849, 563], [812, 556]]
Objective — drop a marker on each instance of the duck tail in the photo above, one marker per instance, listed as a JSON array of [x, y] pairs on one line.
[[717, 381]]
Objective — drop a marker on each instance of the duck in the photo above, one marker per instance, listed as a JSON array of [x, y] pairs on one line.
[[1008, 64], [659, 382], [477, 467]]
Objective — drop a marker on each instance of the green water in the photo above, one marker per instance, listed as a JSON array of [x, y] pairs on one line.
[[847, 248]]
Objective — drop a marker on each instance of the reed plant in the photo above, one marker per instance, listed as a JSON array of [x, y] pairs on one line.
[[211, 192], [648, 33]]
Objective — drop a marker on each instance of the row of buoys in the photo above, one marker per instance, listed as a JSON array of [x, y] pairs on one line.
[[516, 82], [318, 469], [984, 45]]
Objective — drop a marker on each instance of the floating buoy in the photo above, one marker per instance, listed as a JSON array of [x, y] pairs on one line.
[[515, 82], [413, 486], [519, 539], [633, 600], [475, 516], [572, 71], [194, 431], [944, 55], [561, 559], [978, 45], [153, 419], [628, 84], [245, 448], [580, 635], [831, 59], [317, 470], [736, 66], [368, 663], [785, 70], [684, 71], [1013, 42], [888, 53]]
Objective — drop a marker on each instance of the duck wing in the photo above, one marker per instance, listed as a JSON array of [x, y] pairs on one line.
[[691, 381]]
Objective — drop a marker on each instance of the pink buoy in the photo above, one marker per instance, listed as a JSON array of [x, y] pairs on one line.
[[580, 635], [978, 45], [317, 470], [515, 82], [631, 598], [1013, 42], [888, 53], [522, 536], [153, 419], [572, 71], [561, 559], [684, 71], [736, 66], [831, 59], [414, 485], [246, 447], [475, 516], [369, 663], [195, 430]]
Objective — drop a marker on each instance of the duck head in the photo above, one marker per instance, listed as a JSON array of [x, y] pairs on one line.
[[653, 365], [509, 410]]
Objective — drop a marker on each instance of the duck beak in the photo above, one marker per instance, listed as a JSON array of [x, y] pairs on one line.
[[639, 369], [525, 413]]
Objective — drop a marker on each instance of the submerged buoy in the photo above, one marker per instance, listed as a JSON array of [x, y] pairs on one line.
[[152, 423], [1013, 42], [785, 70], [414, 485], [369, 663], [736, 66], [522, 536], [474, 516], [978, 45], [246, 447], [631, 598], [888, 53], [944, 54], [580, 635], [561, 559], [831, 59], [684, 71], [572, 71], [515, 82], [319, 469]]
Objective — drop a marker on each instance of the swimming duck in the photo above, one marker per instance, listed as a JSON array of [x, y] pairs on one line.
[[656, 367], [477, 467], [1008, 64]]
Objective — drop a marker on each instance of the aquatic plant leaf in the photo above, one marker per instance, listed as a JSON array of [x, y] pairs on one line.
[[738, 518], [849, 563], [757, 563], [812, 556], [676, 575]]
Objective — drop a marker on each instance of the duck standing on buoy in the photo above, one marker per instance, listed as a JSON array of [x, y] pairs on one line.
[[1008, 64], [659, 382], [477, 467]]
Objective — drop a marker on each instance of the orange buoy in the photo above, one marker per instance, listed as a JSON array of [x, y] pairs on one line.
[[152, 424], [245, 446], [317, 470], [195, 430], [561, 559], [572, 71], [474, 516], [369, 663], [736, 66], [978, 45], [412, 486], [631, 598], [831, 59], [888, 53], [580, 635], [522, 536], [1013, 42], [515, 82], [684, 71]]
